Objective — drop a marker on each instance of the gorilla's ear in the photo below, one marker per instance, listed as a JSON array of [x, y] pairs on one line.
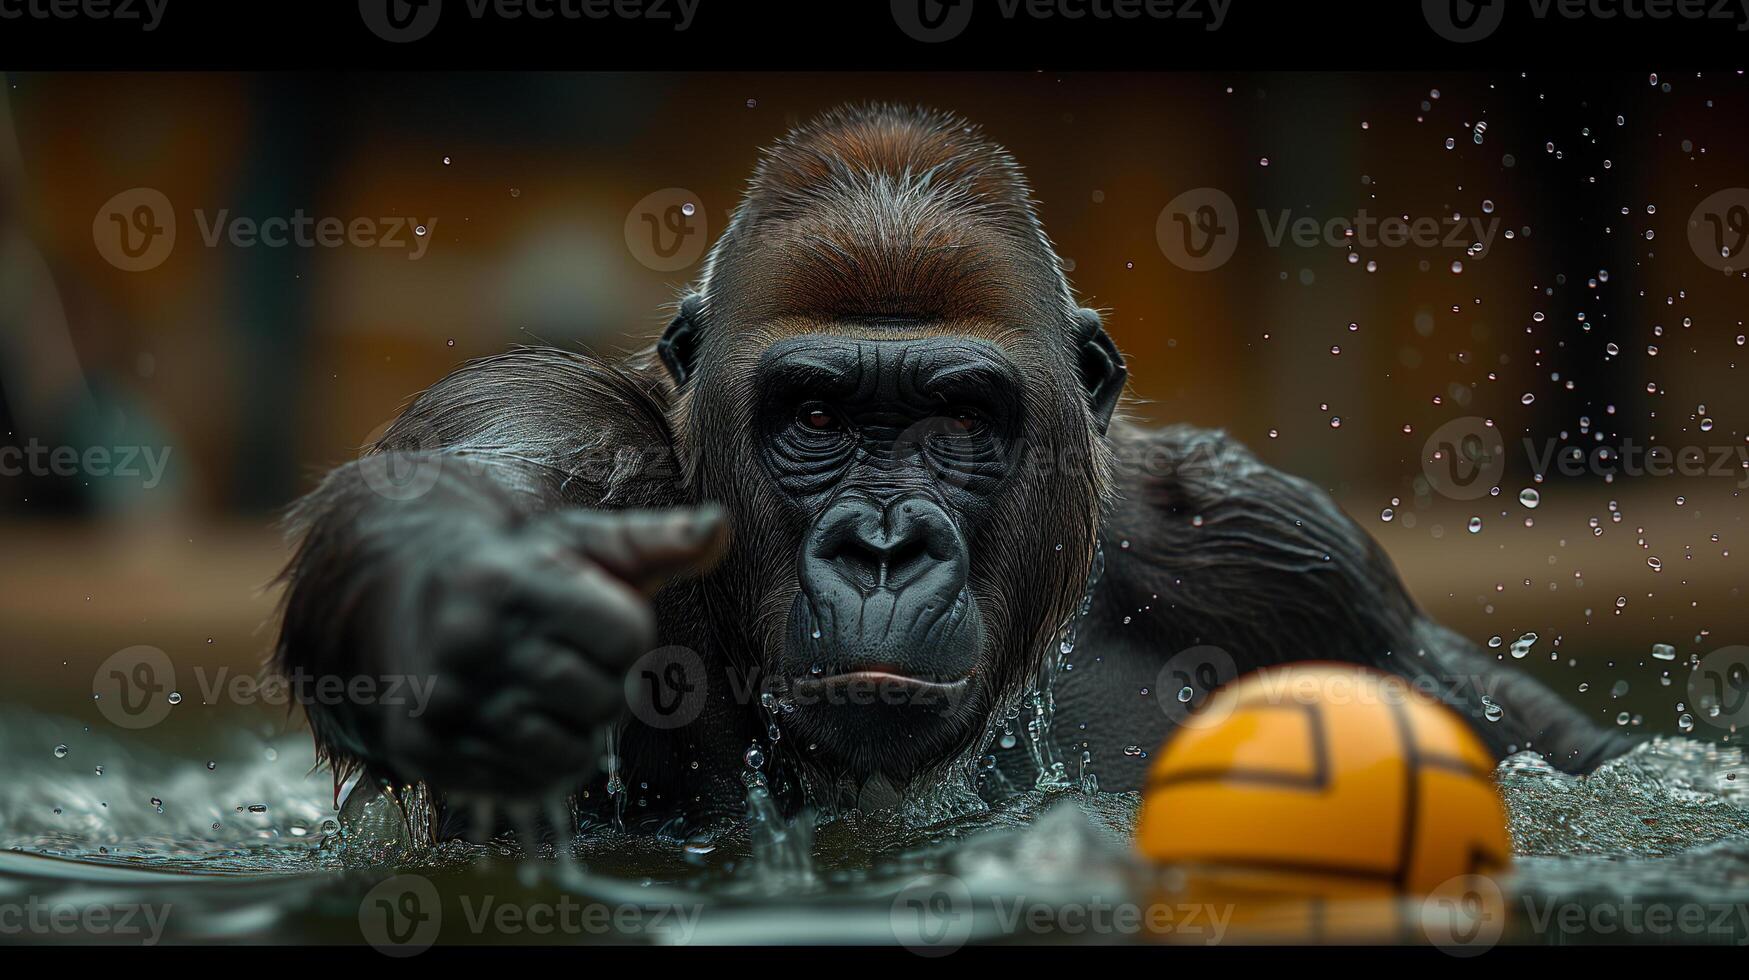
[[1102, 369], [679, 344]]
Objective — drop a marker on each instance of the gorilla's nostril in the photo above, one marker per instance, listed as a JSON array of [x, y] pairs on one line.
[[904, 563], [890, 547], [859, 563]]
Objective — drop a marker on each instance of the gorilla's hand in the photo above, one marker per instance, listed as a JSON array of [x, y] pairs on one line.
[[524, 636]]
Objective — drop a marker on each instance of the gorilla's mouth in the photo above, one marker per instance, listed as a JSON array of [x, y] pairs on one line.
[[884, 639], [911, 688], [894, 697], [907, 645]]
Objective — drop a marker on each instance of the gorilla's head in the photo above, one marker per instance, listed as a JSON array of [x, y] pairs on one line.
[[884, 375]]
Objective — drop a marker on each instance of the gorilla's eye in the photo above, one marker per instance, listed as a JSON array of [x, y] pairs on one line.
[[817, 418], [964, 422]]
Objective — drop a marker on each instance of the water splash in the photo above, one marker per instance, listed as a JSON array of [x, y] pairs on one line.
[[1041, 700]]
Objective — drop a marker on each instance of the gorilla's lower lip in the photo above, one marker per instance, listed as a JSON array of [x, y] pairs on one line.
[[884, 678]]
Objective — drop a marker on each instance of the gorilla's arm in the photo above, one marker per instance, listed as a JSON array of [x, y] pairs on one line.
[[456, 554], [1230, 552]]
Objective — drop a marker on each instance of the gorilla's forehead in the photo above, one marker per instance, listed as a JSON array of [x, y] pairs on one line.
[[958, 270], [850, 360]]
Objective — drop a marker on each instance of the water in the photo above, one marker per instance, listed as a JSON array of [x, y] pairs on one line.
[[1665, 824]]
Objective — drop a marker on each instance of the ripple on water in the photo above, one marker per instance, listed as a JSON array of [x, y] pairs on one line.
[[1665, 820]]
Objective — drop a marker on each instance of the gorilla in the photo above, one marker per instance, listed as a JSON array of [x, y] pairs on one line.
[[864, 523]]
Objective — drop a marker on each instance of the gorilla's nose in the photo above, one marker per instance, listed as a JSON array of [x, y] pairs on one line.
[[892, 546]]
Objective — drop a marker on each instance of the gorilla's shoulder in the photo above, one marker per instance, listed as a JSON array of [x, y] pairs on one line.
[[1186, 469], [598, 428], [1198, 513], [533, 391]]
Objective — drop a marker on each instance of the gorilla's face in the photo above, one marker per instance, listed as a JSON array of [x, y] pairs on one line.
[[892, 452], [900, 553], [885, 378]]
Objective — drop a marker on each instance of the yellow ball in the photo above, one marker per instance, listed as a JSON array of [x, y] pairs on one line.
[[1323, 781]]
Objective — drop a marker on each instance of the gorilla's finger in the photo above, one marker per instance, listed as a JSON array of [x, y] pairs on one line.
[[521, 758], [646, 547], [542, 754], [591, 611], [567, 686]]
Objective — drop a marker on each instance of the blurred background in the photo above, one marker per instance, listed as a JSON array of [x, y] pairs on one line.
[[542, 209]]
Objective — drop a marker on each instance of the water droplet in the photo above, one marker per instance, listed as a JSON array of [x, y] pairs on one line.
[[60, 751], [1529, 498]]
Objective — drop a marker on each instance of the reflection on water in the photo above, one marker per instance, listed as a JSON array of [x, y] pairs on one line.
[[251, 848]]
